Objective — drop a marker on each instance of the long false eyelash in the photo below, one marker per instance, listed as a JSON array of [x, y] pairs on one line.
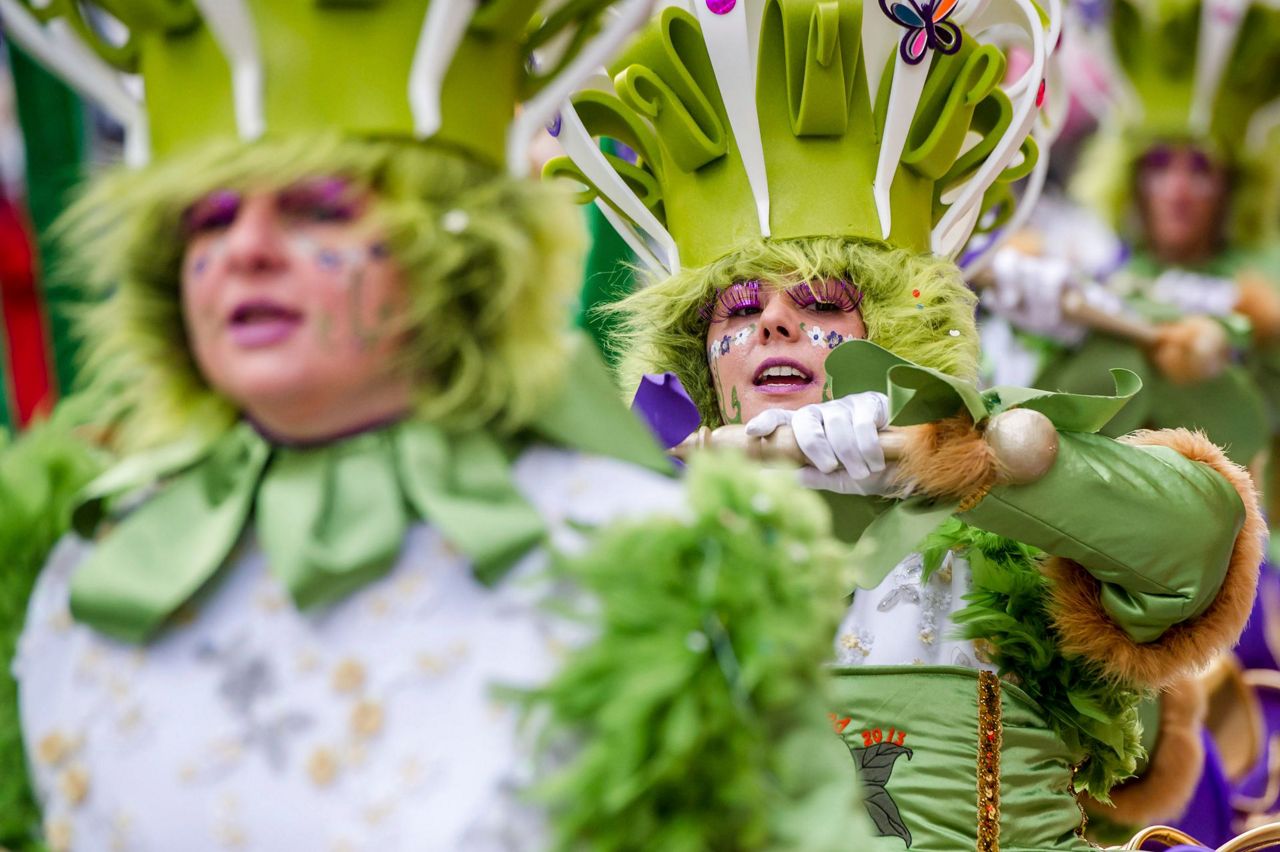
[[827, 291], [735, 297]]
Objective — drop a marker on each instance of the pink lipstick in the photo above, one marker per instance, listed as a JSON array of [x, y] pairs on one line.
[[257, 323]]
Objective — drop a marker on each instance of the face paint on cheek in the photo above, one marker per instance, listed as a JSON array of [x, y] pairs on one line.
[[730, 407], [324, 331], [734, 415], [815, 334], [199, 264], [354, 262]]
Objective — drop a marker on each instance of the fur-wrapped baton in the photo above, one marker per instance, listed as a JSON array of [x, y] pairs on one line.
[[1023, 442]]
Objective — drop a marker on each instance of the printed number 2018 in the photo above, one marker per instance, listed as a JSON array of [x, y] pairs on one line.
[[870, 738]]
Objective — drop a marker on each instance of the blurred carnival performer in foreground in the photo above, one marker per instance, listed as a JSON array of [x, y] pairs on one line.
[[306, 606], [801, 179]]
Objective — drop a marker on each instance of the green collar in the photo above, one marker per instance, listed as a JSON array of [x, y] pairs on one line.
[[331, 518]]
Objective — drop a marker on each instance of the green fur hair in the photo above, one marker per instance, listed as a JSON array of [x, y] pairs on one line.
[[661, 329], [1106, 182], [488, 298]]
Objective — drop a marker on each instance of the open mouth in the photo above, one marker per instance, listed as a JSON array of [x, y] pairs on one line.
[[782, 375], [261, 322]]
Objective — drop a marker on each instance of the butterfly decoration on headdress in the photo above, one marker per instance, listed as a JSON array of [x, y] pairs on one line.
[[927, 27]]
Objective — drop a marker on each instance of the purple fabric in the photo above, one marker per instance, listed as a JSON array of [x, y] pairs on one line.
[[1208, 817], [1254, 784], [663, 403], [1253, 651]]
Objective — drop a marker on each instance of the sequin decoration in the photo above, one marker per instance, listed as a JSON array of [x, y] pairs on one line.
[[721, 7], [990, 738]]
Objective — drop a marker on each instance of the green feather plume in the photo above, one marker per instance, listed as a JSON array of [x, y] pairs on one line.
[[1093, 715], [696, 720], [40, 474]]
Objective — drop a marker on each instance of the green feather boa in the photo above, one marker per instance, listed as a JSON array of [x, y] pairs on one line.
[[40, 475], [1093, 715], [696, 720]]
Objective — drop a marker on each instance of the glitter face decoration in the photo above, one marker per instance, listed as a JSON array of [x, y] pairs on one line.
[[767, 345], [292, 304]]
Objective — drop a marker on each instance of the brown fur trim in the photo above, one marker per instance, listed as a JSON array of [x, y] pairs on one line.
[[947, 458], [1165, 787], [1191, 350], [1260, 302], [1086, 630]]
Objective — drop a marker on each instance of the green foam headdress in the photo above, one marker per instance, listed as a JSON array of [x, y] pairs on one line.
[[794, 118], [1196, 69], [452, 71], [1205, 72]]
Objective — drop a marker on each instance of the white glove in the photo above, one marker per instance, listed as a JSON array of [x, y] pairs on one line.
[[840, 438], [1196, 294], [1028, 293]]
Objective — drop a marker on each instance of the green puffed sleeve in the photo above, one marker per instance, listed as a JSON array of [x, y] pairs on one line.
[[1156, 528], [1153, 541]]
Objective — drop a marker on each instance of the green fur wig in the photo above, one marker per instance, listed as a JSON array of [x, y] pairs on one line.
[[487, 297], [662, 329]]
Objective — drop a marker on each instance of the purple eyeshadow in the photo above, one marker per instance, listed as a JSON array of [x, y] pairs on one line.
[[328, 199], [1158, 158], [1201, 163], [215, 211]]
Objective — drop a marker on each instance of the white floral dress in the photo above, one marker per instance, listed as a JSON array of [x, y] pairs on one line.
[[907, 621], [373, 724]]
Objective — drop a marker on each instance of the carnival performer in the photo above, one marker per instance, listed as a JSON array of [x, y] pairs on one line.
[[801, 178], [304, 608]]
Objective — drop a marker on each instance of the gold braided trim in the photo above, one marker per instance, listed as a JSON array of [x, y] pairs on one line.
[[990, 738], [974, 497], [1159, 834]]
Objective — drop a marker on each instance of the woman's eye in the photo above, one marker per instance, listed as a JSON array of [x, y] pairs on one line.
[[215, 212], [326, 200], [745, 311], [824, 307]]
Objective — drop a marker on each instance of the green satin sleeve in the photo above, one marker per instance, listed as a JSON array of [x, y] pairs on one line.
[[1156, 528]]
